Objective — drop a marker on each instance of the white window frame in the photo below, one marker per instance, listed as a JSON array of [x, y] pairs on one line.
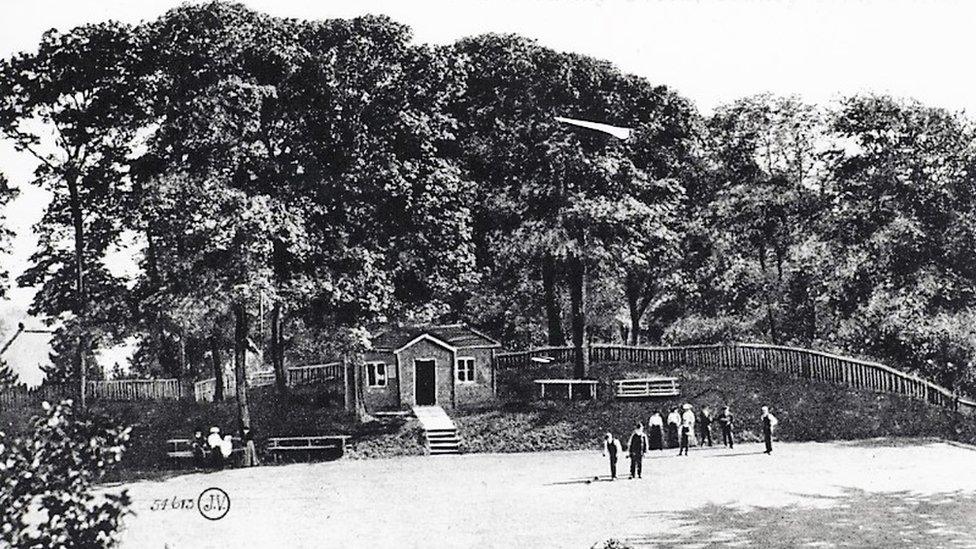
[[469, 370], [379, 380]]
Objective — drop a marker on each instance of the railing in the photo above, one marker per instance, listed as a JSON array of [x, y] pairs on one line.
[[203, 391], [801, 363], [300, 375], [114, 390], [138, 389], [24, 396]]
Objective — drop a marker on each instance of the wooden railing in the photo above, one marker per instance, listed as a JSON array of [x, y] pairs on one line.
[[801, 363], [138, 389], [296, 375], [106, 390], [15, 397], [300, 375]]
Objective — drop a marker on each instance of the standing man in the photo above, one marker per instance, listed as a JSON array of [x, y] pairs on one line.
[[636, 449], [687, 428], [725, 421], [705, 420], [768, 422], [611, 447]]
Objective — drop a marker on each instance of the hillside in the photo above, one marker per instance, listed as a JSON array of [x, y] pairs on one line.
[[807, 410]]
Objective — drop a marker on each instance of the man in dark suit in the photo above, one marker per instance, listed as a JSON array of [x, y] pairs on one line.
[[725, 421], [705, 420], [636, 449], [611, 449], [768, 422]]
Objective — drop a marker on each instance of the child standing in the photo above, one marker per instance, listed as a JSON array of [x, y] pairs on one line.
[[611, 448]]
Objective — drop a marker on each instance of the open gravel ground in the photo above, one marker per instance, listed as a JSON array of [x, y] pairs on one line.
[[874, 493]]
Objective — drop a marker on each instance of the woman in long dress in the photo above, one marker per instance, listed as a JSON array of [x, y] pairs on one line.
[[674, 421], [656, 431]]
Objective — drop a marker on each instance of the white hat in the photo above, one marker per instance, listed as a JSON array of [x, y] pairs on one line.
[[687, 406], [215, 429]]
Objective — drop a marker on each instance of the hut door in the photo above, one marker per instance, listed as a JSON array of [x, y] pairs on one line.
[[424, 380]]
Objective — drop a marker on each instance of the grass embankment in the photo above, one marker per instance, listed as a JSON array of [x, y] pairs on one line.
[[302, 413], [807, 410]]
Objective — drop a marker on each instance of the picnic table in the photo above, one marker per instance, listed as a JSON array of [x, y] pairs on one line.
[[588, 385]]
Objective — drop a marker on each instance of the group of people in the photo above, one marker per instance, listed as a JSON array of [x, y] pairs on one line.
[[215, 449], [678, 431]]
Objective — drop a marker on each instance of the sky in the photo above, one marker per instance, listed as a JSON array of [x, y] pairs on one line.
[[712, 52]]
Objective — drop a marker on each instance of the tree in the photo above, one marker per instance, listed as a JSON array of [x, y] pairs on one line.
[[80, 88], [366, 216], [765, 162], [900, 229], [568, 201]]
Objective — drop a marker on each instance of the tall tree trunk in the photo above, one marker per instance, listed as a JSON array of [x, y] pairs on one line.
[[635, 319], [278, 349], [353, 362], [770, 317], [218, 366], [241, 332], [554, 322], [577, 294], [637, 304], [156, 328], [81, 299]]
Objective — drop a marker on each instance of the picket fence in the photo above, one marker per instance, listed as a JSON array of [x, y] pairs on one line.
[[204, 390], [800, 363], [107, 390]]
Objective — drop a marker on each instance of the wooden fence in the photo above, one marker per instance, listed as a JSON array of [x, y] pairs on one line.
[[109, 390], [203, 391], [17, 397], [800, 363], [139, 389], [300, 375]]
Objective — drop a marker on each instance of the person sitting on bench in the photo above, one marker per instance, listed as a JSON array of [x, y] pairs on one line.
[[213, 441], [199, 447]]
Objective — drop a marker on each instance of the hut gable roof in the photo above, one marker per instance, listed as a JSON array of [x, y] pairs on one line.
[[458, 336]]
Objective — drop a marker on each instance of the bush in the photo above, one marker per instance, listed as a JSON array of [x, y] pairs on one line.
[[696, 330], [46, 479]]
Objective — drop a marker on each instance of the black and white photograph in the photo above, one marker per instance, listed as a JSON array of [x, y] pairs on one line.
[[594, 274]]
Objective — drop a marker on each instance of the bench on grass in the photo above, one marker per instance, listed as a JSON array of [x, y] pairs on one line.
[[181, 449], [280, 446], [588, 385], [646, 387]]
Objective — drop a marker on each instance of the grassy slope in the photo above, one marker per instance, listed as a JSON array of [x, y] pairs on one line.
[[303, 413], [808, 411]]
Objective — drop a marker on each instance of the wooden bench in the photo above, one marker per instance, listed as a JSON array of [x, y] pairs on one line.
[[180, 449], [647, 387], [588, 384], [279, 446]]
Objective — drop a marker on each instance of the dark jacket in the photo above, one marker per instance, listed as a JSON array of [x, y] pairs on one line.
[[637, 445]]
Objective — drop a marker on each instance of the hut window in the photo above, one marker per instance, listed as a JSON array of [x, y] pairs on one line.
[[376, 374], [465, 369]]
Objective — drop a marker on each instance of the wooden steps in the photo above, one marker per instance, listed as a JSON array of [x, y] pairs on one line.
[[439, 430]]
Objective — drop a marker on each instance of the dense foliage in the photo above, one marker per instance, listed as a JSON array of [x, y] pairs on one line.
[[47, 477], [321, 176]]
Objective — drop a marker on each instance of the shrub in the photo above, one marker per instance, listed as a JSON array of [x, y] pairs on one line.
[[46, 480]]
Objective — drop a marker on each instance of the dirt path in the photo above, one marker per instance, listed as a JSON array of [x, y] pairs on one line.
[[839, 494]]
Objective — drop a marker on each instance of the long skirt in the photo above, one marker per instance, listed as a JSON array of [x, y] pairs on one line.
[[672, 435], [655, 438]]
